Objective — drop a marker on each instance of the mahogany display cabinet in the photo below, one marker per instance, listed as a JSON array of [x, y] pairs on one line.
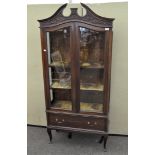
[[76, 56]]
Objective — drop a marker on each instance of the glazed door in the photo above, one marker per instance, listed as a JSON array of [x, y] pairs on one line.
[[92, 69], [76, 69], [59, 54]]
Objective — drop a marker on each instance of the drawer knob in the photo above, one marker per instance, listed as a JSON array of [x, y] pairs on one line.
[[88, 122], [63, 120], [95, 123], [44, 50], [56, 119]]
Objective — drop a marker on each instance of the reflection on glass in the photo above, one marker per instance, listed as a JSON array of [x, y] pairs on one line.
[[58, 43], [91, 70], [64, 77], [63, 104], [91, 47], [66, 105]]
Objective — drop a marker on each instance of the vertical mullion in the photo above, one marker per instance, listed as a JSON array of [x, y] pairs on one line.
[[75, 69]]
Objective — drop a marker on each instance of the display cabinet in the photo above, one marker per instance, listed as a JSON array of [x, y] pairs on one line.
[[76, 56]]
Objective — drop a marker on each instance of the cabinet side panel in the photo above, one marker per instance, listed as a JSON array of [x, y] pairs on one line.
[[108, 54], [109, 67]]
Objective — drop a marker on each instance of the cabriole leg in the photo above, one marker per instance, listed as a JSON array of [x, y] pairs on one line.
[[69, 135], [105, 142], [101, 139], [49, 134]]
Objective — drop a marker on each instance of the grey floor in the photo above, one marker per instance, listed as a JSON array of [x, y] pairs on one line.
[[80, 144]]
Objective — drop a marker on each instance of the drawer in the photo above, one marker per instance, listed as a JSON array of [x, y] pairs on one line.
[[78, 121]]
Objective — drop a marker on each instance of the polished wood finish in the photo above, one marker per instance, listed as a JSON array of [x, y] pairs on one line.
[[90, 18], [69, 135], [75, 120], [50, 134], [90, 122]]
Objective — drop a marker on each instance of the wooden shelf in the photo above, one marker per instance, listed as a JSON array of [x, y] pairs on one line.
[[66, 65], [63, 104], [91, 66], [57, 85], [82, 66], [93, 88], [84, 107]]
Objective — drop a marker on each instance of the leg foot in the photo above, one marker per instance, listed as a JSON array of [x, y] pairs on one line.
[[101, 139], [49, 134], [69, 135], [104, 150], [105, 137]]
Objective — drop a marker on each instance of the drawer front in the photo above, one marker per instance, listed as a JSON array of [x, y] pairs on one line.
[[84, 122]]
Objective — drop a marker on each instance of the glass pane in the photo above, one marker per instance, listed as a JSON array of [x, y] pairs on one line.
[[59, 61], [91, 70]]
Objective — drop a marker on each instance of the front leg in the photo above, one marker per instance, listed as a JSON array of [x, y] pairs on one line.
[[49, 134], [69, 135], [101, 139], [105, 137]]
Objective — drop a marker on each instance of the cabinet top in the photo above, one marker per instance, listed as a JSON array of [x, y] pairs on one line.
[[90, 18]]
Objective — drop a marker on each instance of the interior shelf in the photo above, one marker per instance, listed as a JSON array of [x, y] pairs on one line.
[[57, 85], [98, 87], [85, 65], [63, 104], [91, 107], [66, 65], [91, 65], [84, 107]]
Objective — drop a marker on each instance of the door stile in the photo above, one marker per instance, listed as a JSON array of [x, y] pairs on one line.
[[45, 67], [75, 69]]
